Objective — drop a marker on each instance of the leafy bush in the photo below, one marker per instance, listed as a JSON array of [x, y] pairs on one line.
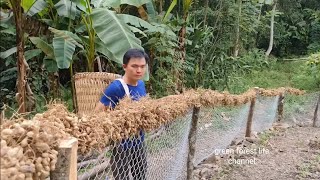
[[314, 66]]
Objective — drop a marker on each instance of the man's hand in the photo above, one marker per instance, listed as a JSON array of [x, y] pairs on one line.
[[99, 107]]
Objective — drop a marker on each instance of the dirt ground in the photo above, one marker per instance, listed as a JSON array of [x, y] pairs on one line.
[[280, 153]]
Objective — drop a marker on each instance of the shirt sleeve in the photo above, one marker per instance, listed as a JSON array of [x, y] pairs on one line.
[[110, 96], [144, 88]]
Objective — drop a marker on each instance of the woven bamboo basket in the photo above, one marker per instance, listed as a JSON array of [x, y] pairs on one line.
[[89, 87]]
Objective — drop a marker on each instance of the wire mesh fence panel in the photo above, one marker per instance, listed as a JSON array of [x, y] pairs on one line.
[[167, 150], [95, 165], [217, 127], [122, 160], [162, 155], [265, 112], [300, 109]]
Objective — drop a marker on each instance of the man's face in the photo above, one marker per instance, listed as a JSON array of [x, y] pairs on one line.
[[135, 69]]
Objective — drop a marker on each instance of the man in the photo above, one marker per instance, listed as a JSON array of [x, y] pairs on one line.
[[129, 155]]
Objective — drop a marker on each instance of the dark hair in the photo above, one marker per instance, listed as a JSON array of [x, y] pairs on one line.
[[135, 53]]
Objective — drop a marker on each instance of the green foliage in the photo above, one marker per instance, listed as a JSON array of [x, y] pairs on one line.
[[7, 84], [66, 9], [162, 44], [314, 67], [117, 3], [254, 59], [277, 74], [114, 33], [33, 7], [204, 67], [208, 67], [45, 47], [66, 96], [8, 52], [172, 5], [82, 30], [296, 28], [314, 34]]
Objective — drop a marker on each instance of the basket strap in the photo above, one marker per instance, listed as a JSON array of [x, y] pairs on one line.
[[125, 87]]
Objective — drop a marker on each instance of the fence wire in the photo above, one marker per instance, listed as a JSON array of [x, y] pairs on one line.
[[163, 154], [168, 152], [300, 109], [265, 113], [217, 127]]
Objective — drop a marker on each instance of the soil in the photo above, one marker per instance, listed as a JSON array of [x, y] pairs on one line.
[[280, 153]]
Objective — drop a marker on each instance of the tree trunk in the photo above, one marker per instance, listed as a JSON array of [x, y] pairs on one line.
[[99, 63], [260, 11], [21, 68], [150, 66], [237, 43], [182, 49], [160, 6], [73, 90], [142, 12], [271, 29], [258, 22], [54, 84], [206, 13]]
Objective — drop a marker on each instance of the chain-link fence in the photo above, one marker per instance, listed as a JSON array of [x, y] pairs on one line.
[[300, 109], [217, 127], [163, 153], [168, 150], [265, 113]]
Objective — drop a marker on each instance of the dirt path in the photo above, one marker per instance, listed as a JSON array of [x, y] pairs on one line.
[[286, 154]]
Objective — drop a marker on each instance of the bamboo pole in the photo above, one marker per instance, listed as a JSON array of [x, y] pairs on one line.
[[192, 141], [315, 117]]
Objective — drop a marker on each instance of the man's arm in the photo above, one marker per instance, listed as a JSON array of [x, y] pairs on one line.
[[99, 107], [109, 98]]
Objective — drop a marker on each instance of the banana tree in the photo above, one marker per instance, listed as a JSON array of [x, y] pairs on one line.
[[104, 32], [21, 63], [99, 31], [25, 98]]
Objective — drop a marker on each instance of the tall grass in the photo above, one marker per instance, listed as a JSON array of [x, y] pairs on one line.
[[278, 74]]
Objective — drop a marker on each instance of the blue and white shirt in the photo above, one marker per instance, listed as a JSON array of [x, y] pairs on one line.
[[115, 92]]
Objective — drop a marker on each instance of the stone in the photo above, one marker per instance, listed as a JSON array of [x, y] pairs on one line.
[[280, 126], [252, 139], [211, 159], [246, 144], [205, 172], [281, 150], [236, 141]]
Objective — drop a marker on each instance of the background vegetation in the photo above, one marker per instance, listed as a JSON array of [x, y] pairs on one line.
[[217, 44]]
